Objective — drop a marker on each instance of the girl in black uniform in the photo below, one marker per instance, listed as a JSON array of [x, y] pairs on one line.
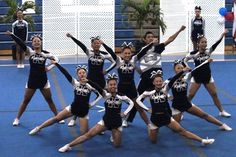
[[126, 66], [80, 105], [20, 29], [197, 26], [203, 76], [112, 119], [180, 102], [160, 109], [37, 76], [96, 59]]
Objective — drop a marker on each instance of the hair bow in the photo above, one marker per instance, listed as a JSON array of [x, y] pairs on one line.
[[36, 35], [125, 45], [112, 76], [156, 73], [84, 67]]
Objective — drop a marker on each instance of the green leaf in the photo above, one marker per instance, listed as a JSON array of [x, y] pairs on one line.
[[144, 12]]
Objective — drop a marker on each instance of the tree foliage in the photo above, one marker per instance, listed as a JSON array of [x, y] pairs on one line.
[[145, 11]]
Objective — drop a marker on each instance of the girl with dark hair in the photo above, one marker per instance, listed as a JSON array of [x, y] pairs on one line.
[[197, 26], [203, 76], [37, 76], [112, 119], [126, 66], [180, 102], [80, 105], [20, 29], [160, 109], [96, 59]]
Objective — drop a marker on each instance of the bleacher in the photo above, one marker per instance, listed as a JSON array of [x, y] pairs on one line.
[[124, 31], [5, 41]]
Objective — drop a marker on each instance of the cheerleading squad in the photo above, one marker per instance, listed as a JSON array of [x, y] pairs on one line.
[[118, 88]]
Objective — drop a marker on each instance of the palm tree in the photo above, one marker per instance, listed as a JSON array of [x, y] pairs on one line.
[[11, 14], [142, 12]]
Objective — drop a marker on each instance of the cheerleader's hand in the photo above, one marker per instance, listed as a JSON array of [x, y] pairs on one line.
[[54, 62], [101, 42], [210, 60], [8, 33], [84, 79], [69, 35], [155, 41], [182, 28], [122, 115], [149, 110]]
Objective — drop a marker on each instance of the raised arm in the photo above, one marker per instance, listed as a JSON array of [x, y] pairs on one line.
[[64, 72], [97, 87], [109, 50], [81, 45], [172, 38], [17, 40], [213, 47]]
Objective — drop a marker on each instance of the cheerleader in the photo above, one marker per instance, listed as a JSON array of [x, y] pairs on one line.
[[126, 66], [160, 109], [20, 29], [203, 76], [80, 105], [180, 102], [197, 26], [37, 76], [96, 59], [112, 119], [152, 60]]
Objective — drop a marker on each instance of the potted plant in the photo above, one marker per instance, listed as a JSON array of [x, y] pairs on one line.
[[143, 12]]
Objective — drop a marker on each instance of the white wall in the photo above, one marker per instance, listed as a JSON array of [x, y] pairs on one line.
[[82, 18], [177, 13]]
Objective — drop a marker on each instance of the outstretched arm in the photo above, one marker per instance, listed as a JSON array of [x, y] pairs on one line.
[[65, 72], [81, 45], [17, 40], [109, 50], [172, 38], [112, 58], [97, 87], [213, 47]]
